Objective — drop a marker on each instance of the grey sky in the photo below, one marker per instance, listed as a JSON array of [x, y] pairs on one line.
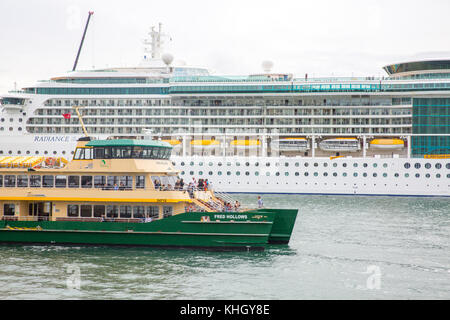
[[39, 39]]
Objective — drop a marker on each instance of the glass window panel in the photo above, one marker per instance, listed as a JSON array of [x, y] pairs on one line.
[[48, 181], [61, 181], [86, 211], [74, 181]]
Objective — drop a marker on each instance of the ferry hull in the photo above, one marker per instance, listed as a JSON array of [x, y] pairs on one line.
[[192, 230]]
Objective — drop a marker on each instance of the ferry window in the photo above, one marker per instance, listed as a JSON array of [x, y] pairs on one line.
[[74, 181], [1, 181], [86, 211], [99, 211], [79, 154], [35, 181], [112, 211], [22, 181], [10, 181], [427, 165], [438, 166], [9, 209], [417, 165], [138, 153], [126, 182], [99, 181], [112, 181], [153, 212], [407, 165], [99, 153], [61, 181], [86, 181], [125, 211], [72, 210], [138, 212], [48, 181], [140, 182], [167, 211]]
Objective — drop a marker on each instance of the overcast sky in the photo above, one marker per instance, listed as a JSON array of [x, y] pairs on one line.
[[39, 39]]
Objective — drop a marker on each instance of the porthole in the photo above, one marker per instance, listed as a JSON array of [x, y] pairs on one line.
[[267, 164], [375, 175], [297, 164], [256, 173], [385, 165], [428, 165], [365, 174], [396, 175], [385, 175], [407, 165], [210, 164], [355, 174], [267, 173], [200, 173], [182, 173], [277, 174], [438, 166], [344, 165], [286, 174], [219, 173], [417, 175], [365, 165], [247, 164], [406, 175], [210, 173], [417, 165], [335, 164], [286, 164], [316, 174], [325, 164], [325, 174], [297, 174], [237, 164], [355, 165], [191, 173], [334, 174], [192, 163], [306, 164], [438, 175], [238, 173], [256, 164], [228, 173], [427, 175], [447, 166], [316, 164], [375, 165], [247, 173], [344, 174], [200, 164], [306, 174], [219, 164]]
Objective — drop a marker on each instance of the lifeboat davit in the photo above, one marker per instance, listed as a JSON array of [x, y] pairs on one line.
[[340, 145], [387, 144], [290, 144]]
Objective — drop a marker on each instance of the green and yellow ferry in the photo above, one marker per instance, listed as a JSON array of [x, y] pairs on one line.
[[124, 192]]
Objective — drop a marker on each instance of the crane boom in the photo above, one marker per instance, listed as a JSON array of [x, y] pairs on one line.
[[82, 40]]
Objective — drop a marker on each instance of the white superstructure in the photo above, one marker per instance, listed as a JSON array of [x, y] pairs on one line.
[[259, 133]]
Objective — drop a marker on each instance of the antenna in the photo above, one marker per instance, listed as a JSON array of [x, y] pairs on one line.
[[82, 40]]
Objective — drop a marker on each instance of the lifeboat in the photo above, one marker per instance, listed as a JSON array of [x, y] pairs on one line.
[[340, 145], [245, 144], [174, 143], [205, 144], [387, 144], [290, 144]]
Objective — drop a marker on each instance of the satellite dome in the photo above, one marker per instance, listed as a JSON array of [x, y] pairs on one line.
[[167, 58], [267, 66]]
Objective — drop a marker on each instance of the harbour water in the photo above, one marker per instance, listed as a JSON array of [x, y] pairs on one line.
[[341, 248]]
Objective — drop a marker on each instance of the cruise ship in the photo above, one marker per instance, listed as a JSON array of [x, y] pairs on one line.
[[259, 133]]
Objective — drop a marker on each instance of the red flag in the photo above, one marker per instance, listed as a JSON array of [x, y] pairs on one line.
[[67, 115]]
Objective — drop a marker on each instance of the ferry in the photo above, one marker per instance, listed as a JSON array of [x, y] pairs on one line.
[[383, 136], [125, 192]]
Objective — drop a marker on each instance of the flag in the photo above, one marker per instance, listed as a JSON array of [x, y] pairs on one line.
[[67, 115]]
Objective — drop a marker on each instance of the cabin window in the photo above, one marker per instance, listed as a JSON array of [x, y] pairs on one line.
[[125, 211], [61, 181], [112, 211], [74, 181], [86, 211], [72, 210], [138, 211], [1, 181], [48, 181], [22, 181], [167, 211], [99, 181], [140, 182], [153, 212], [35, 181], [9, 209], [99, 153], [112, 181], [99, 211], [10, 181], [126, 182], [86, 181], [88, 154]]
